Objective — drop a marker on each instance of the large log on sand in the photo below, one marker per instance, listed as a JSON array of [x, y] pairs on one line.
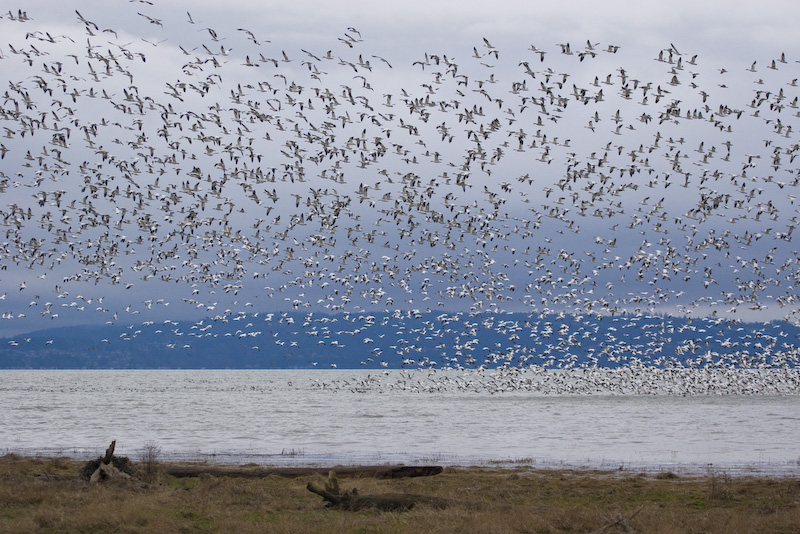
[[381, 471]]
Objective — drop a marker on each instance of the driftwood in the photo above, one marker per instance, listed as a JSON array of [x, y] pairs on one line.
[[110, 452], [108, 472], [353, 501], [621, 522], [107, 467], [181, 471]]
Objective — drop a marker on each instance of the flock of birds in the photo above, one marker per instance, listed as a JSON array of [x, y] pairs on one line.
[[627, 380], [144, 181]]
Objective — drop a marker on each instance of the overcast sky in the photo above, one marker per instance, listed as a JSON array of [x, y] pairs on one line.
[[467, 213]]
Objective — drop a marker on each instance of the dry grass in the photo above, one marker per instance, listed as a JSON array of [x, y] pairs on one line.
[[47, 495]]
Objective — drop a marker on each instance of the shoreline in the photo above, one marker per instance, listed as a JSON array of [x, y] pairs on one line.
[[294, 460]]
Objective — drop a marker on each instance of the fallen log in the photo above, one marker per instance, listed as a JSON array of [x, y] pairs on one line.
[[621, 521], [352, 501], [402, 471]]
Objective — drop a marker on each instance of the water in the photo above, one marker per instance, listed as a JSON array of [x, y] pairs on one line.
[[327, 417]]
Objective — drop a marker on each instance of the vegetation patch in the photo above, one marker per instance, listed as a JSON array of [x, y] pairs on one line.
[[51, 495]]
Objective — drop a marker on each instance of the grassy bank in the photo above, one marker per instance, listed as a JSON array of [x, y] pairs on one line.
[[48, 495]]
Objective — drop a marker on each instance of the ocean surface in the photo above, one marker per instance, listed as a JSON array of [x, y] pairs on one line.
[[328, 417]]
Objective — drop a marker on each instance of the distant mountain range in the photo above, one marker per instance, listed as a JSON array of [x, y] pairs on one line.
[[408, 339]]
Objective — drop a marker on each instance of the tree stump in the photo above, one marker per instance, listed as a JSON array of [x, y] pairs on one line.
[[107, 467]]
